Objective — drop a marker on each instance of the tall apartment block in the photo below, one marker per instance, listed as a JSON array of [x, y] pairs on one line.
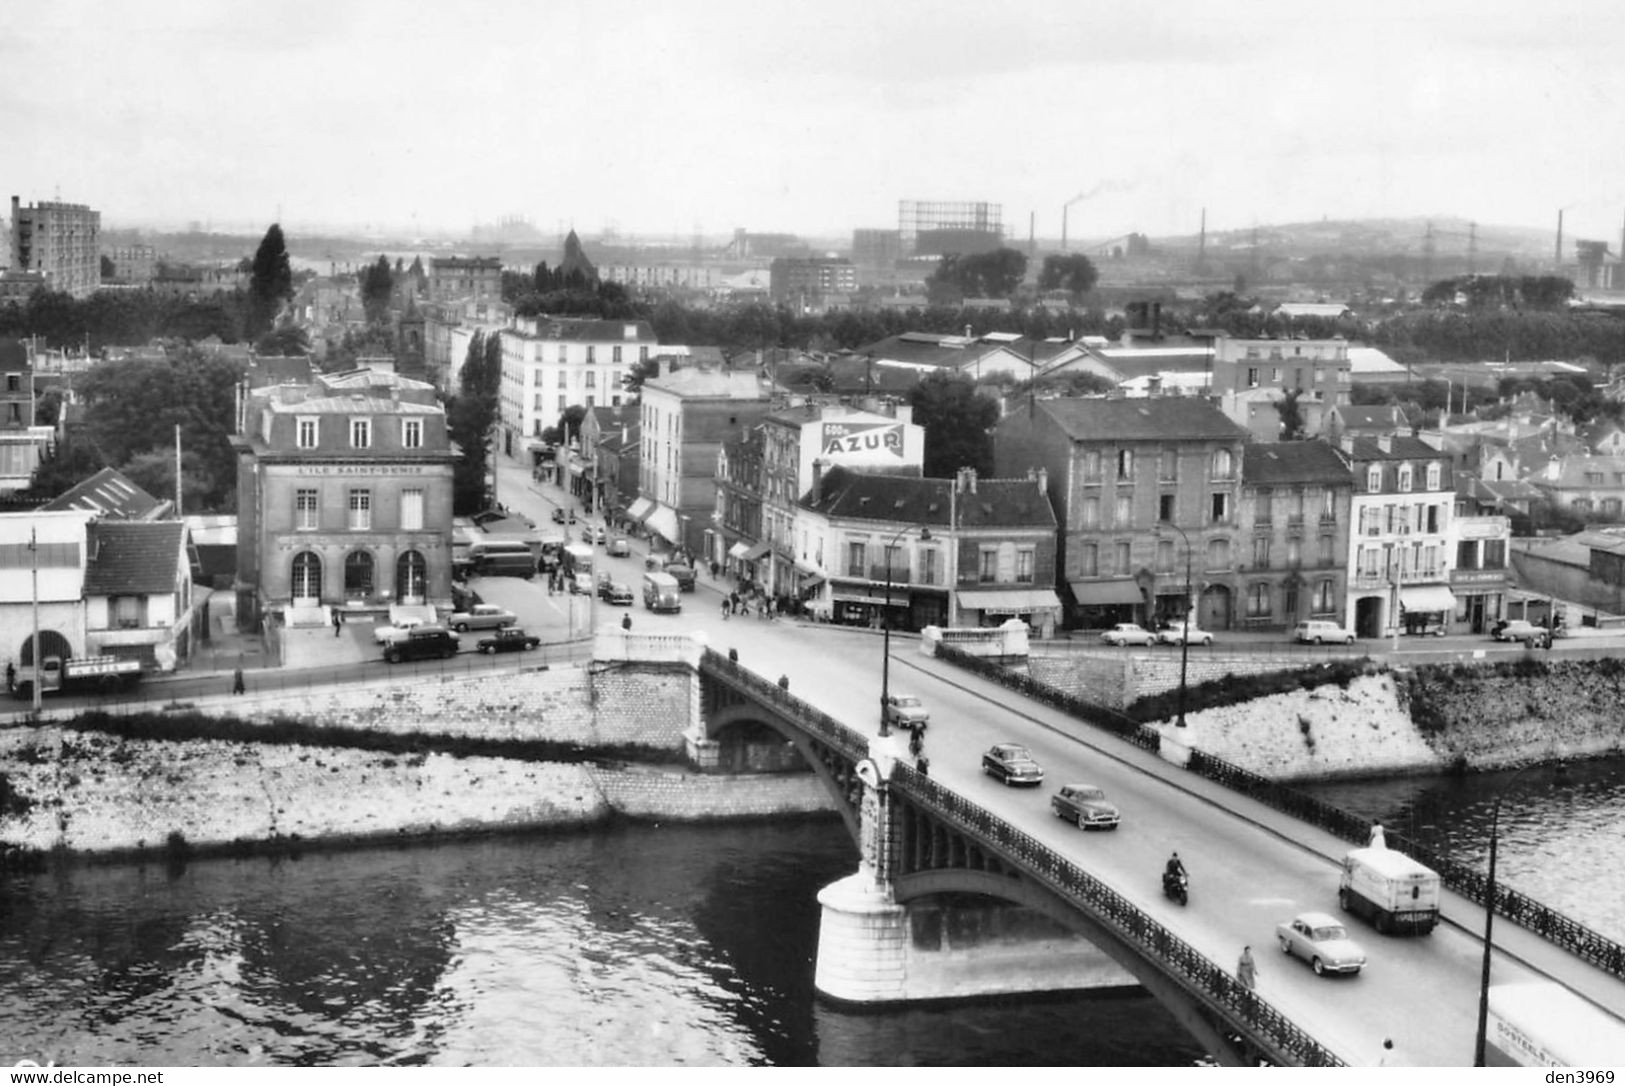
[[60, 241]]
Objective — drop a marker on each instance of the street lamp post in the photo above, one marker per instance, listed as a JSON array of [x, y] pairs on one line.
[[1185, 632], [885, 626], [1489, 926]]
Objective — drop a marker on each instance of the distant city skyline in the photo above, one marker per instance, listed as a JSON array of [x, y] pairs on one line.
[[686, 117]]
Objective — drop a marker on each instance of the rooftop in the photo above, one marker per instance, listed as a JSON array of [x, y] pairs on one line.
[[1284, 462], [1155, 419]]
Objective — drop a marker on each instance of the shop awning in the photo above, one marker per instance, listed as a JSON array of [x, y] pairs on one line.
[[1097, 593], [663, 521], [739, 550], [639, 509], [876, 601], [1016, 601], [757, 551], [1427, 599]]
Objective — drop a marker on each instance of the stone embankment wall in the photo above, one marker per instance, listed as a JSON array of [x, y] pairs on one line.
[[1123, 676], [89, 792]]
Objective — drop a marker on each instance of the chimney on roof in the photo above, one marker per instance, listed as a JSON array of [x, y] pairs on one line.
[[817, 481], [1385, 442], [1043, 480], [966, 481], [903, 412], [1346, 443]]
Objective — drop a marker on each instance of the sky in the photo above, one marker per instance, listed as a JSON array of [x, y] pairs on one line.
[[671, 117]]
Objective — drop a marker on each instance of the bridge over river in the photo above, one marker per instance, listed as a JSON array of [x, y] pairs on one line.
[[957, 832]]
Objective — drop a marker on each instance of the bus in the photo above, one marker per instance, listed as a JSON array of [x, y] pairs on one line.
[[575, 563]]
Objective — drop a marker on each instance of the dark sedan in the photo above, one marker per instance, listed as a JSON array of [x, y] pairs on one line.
[[508, 639], [618, 593], [1011, 763]]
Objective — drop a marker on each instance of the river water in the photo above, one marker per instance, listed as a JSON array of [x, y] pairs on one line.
[[648, 945]]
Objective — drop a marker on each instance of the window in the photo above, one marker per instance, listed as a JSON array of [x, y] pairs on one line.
[[357, 575], [1289, 597], [1258, 601], [1252, 376], [1125, 464], [1090, 514], [360, 510], [592, 379], [306, 517], [564, 379], [564, 353], [1218, 554], [1091, 467], [14, 382], [411, 577], [308, 432], [411, 433], [1220, 508], [1294, 553], [1088, 560], [1025, 559], [412, 510], [592, 354], [856, 555], [1328, 505], [1123, 514], [1165, 508], [1373, 479], [1434, 476], [307, 577], [1495, 554], [1165, 556], [928, 566], [1404, 478], [1433, 520], [1322, 603], [1168, 469], [1224, 465], [615, 353], [128, 611], [988, 564], [564, 402], [1261, 553], [360, 433], [643, 354]]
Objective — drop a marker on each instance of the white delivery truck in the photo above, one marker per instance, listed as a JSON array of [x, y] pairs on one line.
[[1542, 1024], [86, 674], [1391, 890]]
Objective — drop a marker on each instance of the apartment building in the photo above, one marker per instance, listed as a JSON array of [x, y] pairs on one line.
[[553, 363], [59, 241], [1403, 543]]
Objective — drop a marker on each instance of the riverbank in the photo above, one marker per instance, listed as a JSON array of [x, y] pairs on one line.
[[100, 795]]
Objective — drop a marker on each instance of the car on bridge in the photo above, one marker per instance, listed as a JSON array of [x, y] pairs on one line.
[[1183, 633], [1085, 805], [482, 616], [1322, 941], [1320, 632], [508, 639], [1128, 633], [905, 711], [1011, 764], [618, 593]]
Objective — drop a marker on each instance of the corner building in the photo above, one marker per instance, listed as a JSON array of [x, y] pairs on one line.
[[344, 497]]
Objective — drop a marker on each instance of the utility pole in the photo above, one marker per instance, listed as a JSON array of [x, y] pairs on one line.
[[33, 561], [1472, 247]]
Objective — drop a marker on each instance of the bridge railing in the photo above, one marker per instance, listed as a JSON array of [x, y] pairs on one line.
[[1561, 930], [1271, 1029], [821, 725]]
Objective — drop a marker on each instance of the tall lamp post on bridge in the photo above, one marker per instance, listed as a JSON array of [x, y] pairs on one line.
[[1185, 632], [1489, 924], [885, 625]]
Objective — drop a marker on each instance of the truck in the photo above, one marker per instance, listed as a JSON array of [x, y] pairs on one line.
[[1391, 890], [660, 592], [89, 674], [1543, 1024]]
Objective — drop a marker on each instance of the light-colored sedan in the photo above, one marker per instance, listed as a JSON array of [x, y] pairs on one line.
[[1189, 635], [1085, 805], [482, 616], [1129, 633], [383, 635], [1322, 941]]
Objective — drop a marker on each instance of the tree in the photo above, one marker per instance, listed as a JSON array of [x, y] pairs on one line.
[[283, 341], [270, 284], [958, 424], [109, 271], [470, 415], [1072, 272], [994, 274], [639, 373], [377, 285], [1291, 413]]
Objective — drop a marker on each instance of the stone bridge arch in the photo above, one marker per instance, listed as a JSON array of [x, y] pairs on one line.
[[735, 726]]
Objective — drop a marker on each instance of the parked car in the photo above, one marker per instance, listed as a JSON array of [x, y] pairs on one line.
[[619, 546], [383, 635], [1518, 629], [1085, 805], [508, 639], [684, 575], [905, 711], [619, 594], [1320, 632], [558, 515], [1128, 633], [482, 616], [593, 533], [1322, 941], [422, 643], [1011, 763], [1183, 633]]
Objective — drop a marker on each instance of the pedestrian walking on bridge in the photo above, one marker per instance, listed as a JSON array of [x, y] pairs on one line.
[[1247, 969]]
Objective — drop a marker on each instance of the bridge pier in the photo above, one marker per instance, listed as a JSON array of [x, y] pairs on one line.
[[873, 949]]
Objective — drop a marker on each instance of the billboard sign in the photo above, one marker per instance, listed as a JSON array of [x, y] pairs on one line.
[[845, 440]]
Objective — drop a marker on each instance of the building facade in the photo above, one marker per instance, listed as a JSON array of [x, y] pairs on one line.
[[344, 497], [1296, 498], [1402, 546], [550, 364], [687, 416], [1251, 376], [810, 279], [60, 241], [475, 278], [1144, 490]]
